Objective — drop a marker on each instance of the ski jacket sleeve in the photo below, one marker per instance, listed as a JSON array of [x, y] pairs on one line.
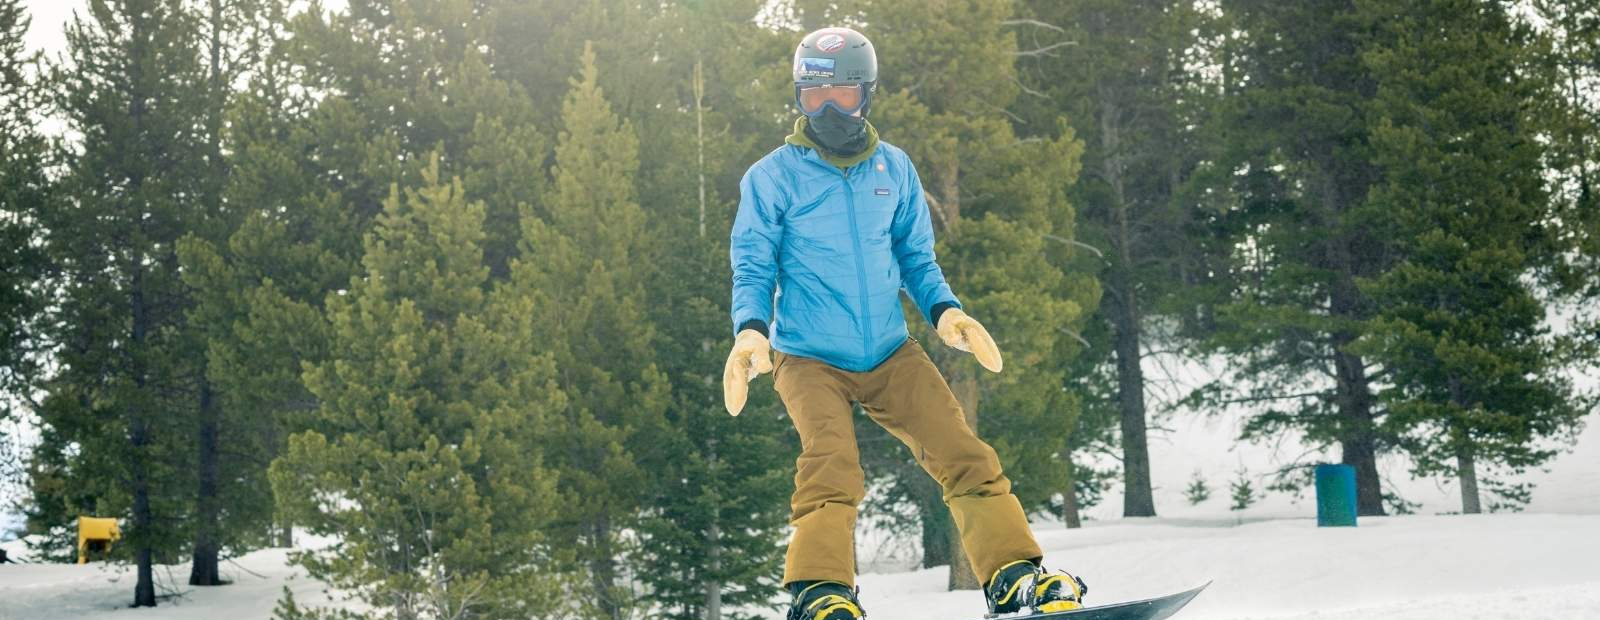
[[912, 234], [753, 247]]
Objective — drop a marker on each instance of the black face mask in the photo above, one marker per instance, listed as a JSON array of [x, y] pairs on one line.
[[838, 133]]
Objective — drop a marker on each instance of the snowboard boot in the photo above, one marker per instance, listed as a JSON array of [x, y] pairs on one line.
[[1024, 586], [824, 600]]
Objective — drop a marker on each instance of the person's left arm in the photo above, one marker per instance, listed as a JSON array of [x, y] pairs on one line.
[[912, 236]]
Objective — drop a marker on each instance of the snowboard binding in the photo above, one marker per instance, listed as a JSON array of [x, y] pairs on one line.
[[1023, 586], [825, 600]]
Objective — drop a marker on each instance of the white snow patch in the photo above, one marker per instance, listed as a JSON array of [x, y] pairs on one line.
[[103, 592], [1484, 566]]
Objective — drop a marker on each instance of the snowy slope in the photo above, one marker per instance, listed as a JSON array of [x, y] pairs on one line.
[[1516, 566], [93, 591], [1490, 566]]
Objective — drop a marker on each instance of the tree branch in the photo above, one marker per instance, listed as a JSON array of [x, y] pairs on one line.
[[1044, 51], [1075, 242], [1032, 22]]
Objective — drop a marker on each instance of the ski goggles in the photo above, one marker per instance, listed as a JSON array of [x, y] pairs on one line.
[[846, 98]]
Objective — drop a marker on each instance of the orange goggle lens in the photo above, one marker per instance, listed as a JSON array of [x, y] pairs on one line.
[[846, 98]]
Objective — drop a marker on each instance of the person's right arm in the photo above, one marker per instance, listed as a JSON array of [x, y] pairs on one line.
[[753, 249]]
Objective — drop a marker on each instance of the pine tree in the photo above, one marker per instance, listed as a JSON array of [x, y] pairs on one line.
[[1475, 379], [1198, 491], [233, 39], [428, 434], [314, 142], [114, 441], [713, 524], [416, 76], [1569, 57], [1118, 70], [585, 268], [1241, 491], [1298, 233], [24, 193]]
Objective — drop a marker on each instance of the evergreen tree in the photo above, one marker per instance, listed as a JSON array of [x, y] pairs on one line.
[[424, 459], [24, 193], [1241, 491], [289, 241], [1198, 491], [1118, 70], [585, 268], [1299, 232], [713, 524], [314, 142], [223, 513], [412, 77], [1475, 379], [1570, 58], [114, 440]]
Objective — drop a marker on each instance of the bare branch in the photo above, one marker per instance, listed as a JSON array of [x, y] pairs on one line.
[[1257, 399], [1044, 51], [1075, 242], [1075, 336], [1029, 91], [1032, 22]]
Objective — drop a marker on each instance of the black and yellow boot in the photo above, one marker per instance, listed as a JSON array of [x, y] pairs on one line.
[[824, 600], [1024, 586]]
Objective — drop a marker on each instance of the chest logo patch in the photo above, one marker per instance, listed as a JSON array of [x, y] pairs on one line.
[[882, 191]]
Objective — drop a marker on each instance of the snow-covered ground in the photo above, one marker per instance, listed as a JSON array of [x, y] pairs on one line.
[[1268, 561], [1489, 566], [1503, 566]]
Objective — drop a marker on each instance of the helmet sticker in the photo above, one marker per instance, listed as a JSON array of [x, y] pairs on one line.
[[816, 68], [830, 43]]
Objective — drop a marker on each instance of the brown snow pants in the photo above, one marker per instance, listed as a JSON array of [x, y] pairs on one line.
[[907, 396]]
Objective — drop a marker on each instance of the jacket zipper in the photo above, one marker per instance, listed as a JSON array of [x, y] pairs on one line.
[[861, 265]]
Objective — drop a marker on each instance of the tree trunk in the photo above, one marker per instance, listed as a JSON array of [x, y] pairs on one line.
[[1356, 441], [144, 587], [937, 549], [144, 590], [1352, 393], [1467, 468], [1069, 497], [284, 535], [1466, 465], [965, 387], [713, 588], [603, 570], [203, 571], [1137, 499], [713, 584]]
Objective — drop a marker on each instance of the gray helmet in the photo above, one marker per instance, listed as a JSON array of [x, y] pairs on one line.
[[835, 56]]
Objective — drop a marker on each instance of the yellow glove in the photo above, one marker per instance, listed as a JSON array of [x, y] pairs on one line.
[[751, 356], [963, 332]]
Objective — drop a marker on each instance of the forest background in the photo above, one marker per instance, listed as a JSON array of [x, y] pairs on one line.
[[446, 281]]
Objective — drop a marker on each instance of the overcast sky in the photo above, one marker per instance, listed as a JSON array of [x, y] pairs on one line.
[[50, 16]]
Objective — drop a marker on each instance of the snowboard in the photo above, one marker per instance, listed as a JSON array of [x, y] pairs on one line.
[[1148, 609]]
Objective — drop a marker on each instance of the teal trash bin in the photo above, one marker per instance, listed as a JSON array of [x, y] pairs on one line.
[[1336, 496]]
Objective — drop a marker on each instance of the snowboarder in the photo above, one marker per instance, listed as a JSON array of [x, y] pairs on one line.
[[834, 222]]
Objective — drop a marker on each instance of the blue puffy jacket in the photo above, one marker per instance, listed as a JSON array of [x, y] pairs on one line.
[[836, 246]]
